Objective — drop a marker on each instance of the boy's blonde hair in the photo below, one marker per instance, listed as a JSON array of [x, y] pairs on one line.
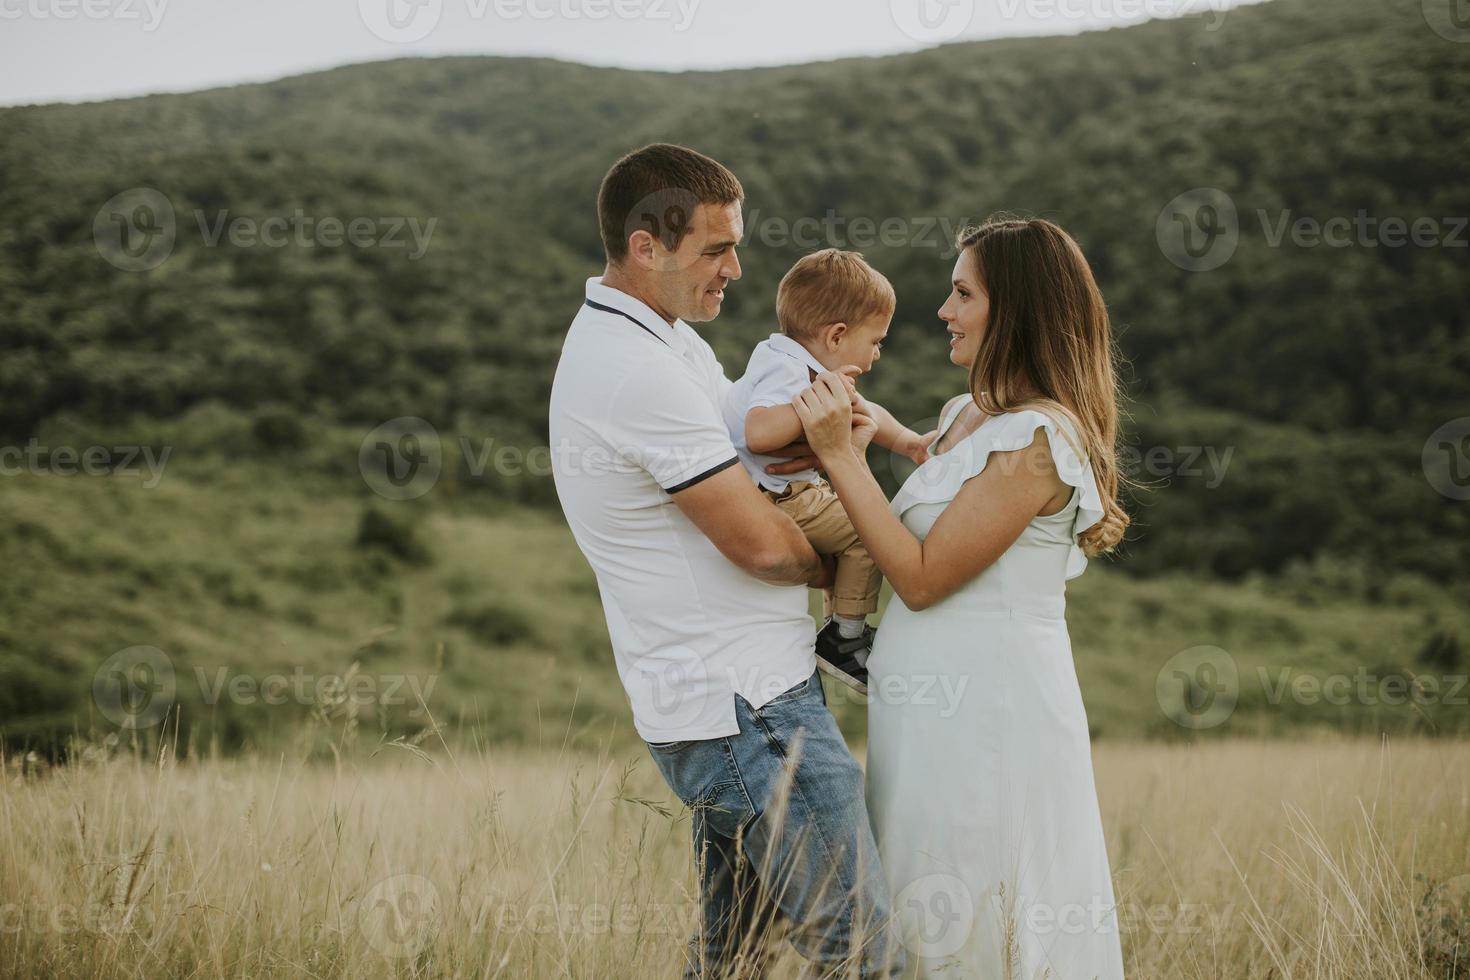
[[827, 287]]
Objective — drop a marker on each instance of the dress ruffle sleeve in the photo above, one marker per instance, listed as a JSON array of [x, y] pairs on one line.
[[938, 480]]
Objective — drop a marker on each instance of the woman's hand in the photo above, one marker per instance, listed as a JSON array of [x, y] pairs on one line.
[[825, 410]]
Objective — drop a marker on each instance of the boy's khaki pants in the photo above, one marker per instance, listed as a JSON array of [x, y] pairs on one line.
[[817, 511]]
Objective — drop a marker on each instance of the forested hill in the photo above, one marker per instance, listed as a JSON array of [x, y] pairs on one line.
[[1315, 367]]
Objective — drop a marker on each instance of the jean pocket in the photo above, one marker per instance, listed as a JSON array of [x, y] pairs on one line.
[[725, 808], [797, 691], [668, 746]]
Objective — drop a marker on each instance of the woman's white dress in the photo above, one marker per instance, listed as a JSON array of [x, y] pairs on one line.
[[980, 783]]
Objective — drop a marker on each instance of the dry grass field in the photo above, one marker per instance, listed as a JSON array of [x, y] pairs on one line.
[[1335, 859]]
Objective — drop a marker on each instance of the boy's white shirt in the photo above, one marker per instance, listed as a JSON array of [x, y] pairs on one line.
[[778, 371]]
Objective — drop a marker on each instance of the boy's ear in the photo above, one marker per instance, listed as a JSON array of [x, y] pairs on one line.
[[834, 334]]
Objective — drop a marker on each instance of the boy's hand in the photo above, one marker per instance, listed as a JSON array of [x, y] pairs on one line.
[[920, 454], [916, 447], [847, 375]]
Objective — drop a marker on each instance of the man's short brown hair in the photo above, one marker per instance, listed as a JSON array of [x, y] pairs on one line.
[[831, 286], [656, 189]]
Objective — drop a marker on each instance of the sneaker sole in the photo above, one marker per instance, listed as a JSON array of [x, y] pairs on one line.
[[838, 673]]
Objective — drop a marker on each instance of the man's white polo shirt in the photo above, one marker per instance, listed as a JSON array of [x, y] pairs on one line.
[[635, 417]]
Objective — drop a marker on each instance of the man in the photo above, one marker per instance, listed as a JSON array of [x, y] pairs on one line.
[[703, 582]]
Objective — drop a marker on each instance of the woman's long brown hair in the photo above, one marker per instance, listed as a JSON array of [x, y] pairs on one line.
[[1049, 346]]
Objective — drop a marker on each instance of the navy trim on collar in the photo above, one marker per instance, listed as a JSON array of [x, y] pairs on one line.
[[629, 316]]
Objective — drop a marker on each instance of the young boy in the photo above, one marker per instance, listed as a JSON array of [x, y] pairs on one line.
[[834, 309]]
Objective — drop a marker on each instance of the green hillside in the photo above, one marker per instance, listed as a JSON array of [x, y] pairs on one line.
[[255, 582]]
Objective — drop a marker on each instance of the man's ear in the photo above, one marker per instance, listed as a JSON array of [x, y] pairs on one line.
[[642, 249], [834, 334]]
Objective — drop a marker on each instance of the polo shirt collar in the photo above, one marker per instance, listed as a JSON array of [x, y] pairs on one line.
[[638, 310], [785, 345]]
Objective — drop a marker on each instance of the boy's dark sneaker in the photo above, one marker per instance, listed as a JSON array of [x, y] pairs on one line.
[[845, 659]]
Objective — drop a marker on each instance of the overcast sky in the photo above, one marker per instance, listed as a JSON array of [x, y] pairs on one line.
[[79, 50]]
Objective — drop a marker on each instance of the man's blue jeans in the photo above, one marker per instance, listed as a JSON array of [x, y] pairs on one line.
[[782, 841]]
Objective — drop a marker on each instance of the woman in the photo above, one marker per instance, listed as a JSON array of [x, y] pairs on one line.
[[980, 784]]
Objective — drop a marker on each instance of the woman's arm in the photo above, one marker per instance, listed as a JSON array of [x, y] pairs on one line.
[[985, 518]]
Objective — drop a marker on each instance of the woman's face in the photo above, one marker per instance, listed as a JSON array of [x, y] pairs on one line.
[[966, 312]]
